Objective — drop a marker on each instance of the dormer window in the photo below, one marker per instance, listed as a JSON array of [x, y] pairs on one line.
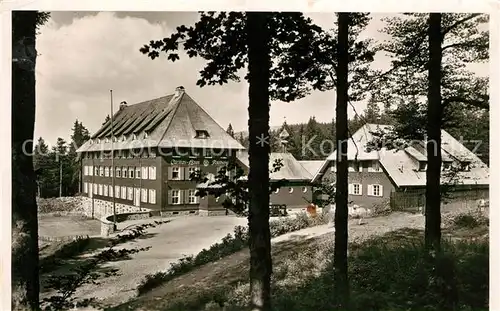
[[201, 134], [446, 166], [90, 141], [146, 135], [106, 140], [98, 141], [124, 138], [465, 166], [422, 166], [134, 137]]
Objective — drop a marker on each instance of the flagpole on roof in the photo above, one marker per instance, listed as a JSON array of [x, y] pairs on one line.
[[113, 161]]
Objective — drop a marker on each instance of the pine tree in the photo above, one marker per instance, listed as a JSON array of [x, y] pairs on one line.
[[230, 130], [372, 112], [25, 282], [300, 64], [434, 65], [341, 281]]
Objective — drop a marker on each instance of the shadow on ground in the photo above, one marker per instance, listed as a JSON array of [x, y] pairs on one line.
[[61, 259], [386, 273]]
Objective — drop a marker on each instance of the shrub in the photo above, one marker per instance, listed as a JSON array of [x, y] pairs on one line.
[[230, 244], [468, 221], [67, 251]]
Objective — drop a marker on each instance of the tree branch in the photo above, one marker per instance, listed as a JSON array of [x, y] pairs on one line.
[[457, 23], [458, 44], [477, 103]]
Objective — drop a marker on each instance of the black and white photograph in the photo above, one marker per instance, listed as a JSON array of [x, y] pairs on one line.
[[240, 159]]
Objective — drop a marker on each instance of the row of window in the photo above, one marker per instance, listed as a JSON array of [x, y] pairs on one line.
[[371, 166], [184, 172], [177, 196], [188, 196], [290, 190], [373, 190], [146, 153], [121, 192], [121, 154], [145, 172]]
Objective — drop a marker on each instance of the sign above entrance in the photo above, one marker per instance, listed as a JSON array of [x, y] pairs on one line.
[[206, 162]]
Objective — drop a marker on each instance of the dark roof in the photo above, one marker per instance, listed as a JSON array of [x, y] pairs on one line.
[[168, 121]]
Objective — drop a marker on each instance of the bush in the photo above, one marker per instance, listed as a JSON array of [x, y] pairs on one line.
[[469, 221], [230, 244], [67, 251]]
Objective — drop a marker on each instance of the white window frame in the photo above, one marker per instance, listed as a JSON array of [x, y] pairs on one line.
[[374, 167], [118, 172], [351, 165], [124, 172], [106, 171], [448, 168], [424, 166], [144, 195], [85, 187], [96, 170], [144, 173], [371, 190], [111, 171], [191, 170], [130, 193], [352, 189], [137, 173], [110, 192], [290, 190], [123, 192], [176, 169], [117, 192], [191, 194], [85, 170], [333, 167], [95, 188], [152, 172], [91, 170], [100, 189], [178, 196], [152, 196], [101, 171], [131, 172], [105, 190]]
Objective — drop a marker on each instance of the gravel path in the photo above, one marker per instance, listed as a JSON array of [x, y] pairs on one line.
[[189, 235], [234, 267], [169, 242]]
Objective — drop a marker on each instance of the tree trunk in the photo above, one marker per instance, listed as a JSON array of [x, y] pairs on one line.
[[258, 178], [25, 283], [434, 117], [341, 282]]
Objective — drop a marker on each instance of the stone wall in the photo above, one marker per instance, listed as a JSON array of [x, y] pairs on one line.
[[98, 209], [179, 213]]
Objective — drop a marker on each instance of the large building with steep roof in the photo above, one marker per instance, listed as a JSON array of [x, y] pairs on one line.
[[156, 145]]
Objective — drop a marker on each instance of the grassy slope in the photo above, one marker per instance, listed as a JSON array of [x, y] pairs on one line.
[[299, 265]]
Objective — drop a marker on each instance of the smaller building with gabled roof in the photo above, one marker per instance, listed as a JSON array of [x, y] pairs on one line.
[[386, 176]]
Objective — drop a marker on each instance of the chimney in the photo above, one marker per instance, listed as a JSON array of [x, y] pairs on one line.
[[179, 91], [123, 104]]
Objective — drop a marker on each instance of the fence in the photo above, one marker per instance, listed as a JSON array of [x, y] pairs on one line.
[[414, 201]]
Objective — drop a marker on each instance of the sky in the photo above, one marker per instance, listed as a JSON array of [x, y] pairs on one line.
[[84, 55]]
